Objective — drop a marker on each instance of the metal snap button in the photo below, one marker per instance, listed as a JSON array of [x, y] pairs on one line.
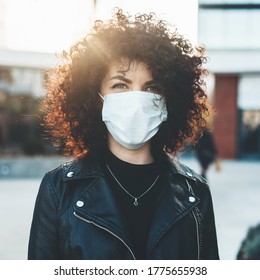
[[70, 174], [192, 199], [79, 203]]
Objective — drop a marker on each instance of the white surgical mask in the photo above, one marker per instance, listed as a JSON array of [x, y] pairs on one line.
[[133, 117]]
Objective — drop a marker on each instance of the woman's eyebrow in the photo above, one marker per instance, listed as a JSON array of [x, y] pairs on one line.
[[151, 82], [121, 78]]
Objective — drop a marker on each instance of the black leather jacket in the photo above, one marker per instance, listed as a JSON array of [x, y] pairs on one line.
[[76, 217]]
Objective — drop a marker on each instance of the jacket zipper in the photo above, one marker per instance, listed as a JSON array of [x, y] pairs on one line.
[[197, 232], [196, 222], [91, 222]]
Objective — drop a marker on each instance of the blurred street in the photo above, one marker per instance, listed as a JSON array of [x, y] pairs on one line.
[[235, 191]]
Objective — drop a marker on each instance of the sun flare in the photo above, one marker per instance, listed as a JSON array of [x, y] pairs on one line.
[[54, 25]]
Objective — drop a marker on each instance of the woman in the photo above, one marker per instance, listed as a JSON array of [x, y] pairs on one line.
[[128, 95]]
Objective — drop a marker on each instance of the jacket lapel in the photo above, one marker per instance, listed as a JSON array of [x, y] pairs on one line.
[[96, 203], [174, 202]]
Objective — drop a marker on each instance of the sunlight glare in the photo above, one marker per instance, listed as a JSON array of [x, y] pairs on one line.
[[54, 25], [46, 25], [181, 14]]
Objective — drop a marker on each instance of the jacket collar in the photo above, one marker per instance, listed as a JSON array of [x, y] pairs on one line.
[[91, 167]]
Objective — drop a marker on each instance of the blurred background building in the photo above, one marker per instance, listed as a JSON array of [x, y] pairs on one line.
[[231, 34], [31, 32], [228, 29], [21, 89]]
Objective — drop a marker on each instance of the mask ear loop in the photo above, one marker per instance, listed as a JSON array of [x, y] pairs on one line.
[[100, 95]]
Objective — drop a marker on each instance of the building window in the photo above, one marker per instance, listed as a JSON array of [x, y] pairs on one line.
[[21, 132], [230, 26]]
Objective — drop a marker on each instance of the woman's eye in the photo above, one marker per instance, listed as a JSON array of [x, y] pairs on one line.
[[119, 86], [153, 89]]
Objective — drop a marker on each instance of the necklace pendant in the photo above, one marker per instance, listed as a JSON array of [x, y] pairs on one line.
[[135, 202]]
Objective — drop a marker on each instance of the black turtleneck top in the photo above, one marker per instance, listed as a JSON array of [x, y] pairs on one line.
[[136, 179]]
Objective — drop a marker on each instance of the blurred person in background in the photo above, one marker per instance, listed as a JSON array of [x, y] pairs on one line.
[[250, 246], [124, 102], [206, 152]]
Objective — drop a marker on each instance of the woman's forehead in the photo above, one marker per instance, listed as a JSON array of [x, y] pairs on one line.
[[127, 68]]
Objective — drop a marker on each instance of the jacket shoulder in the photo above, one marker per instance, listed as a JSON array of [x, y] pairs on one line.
[[77, 168], [58, 172], [195, 175], [198, 184], [184, 170]]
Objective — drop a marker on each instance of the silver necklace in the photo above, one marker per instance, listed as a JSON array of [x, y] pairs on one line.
[[135, 198]]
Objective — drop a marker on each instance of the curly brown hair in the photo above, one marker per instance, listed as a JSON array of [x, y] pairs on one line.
[[72, 104]]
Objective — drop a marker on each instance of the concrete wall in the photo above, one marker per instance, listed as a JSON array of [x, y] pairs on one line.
[[28, 167]]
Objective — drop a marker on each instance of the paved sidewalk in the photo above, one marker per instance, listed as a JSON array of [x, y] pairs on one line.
[[235, 191], [17, 197]]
